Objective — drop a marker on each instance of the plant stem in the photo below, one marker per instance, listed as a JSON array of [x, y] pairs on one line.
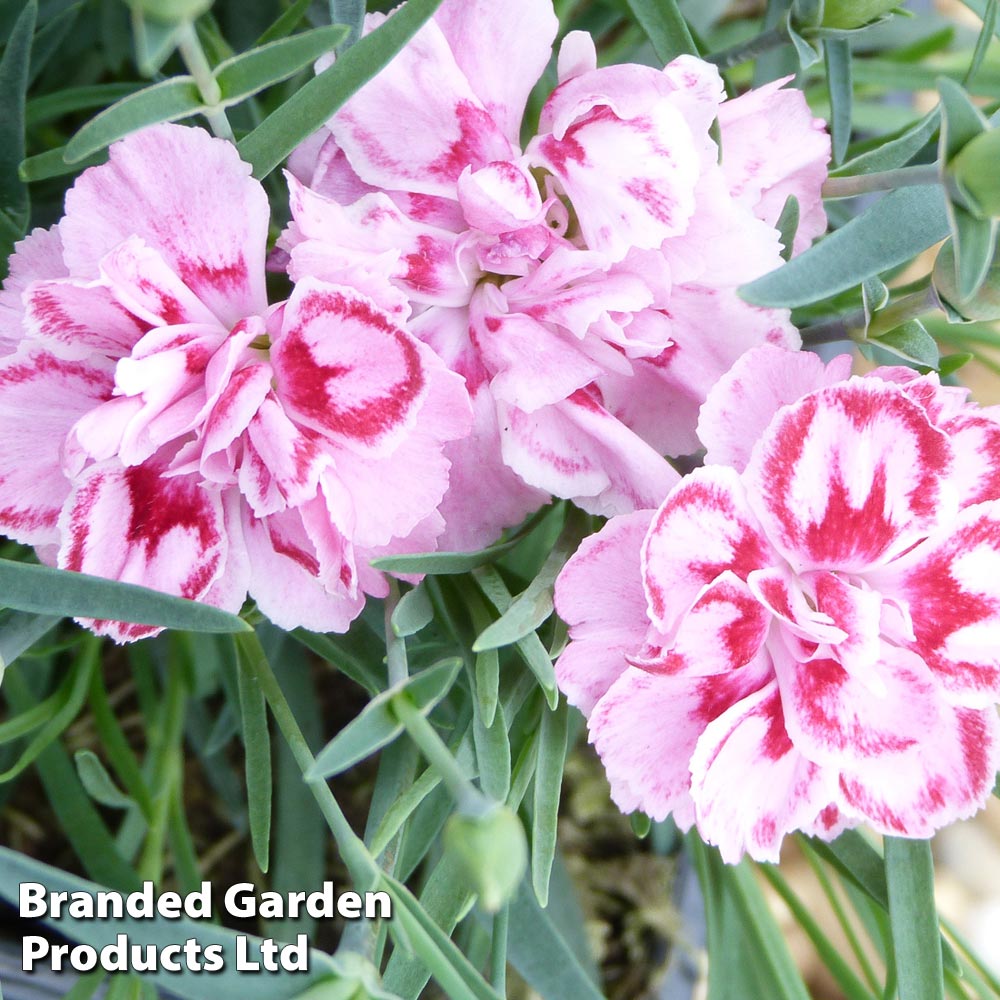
[[884, 180], [197, 65], [395, 647], [772, 38], [468, 798], [498, 953], [361, 865]]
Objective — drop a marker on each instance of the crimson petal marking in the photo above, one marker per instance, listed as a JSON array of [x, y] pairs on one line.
[[704, 528], [976, 440], [137, 526], [950, 584], [188, 196], [41, 397], [76, 319], [600, 597], [849, 477], [750, 784], [345, 369], [646, 727], [778, 590], [858, 612], [945, 777], [38, 257], [742, 403], [836, 718], [723, 631]]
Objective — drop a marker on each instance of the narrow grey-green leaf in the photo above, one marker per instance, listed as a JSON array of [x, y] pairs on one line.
[[413, 612], [286, 23], [49, 38], [268, 144], [542, 956], [974, 243], [961, 120], [443, 563], [257, 748], [837, 53], [488, 683], [492, 755], [893, 231], [788, 225], [911, 342], [13, 89], [19, 631], [548, 787], [64, 102], [895, 152], [52, 163], [97, 783], [665, 27], [227, 984], [154, 42], [530, 647], [253, 71], [916, 935], [351, 13], [986, 33], [377, 725], [168, 101], [59, 592], [69, 700]]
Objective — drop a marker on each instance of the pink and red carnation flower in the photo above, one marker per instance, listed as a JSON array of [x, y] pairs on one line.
[[802, 636], [164, 425], [585, 284]]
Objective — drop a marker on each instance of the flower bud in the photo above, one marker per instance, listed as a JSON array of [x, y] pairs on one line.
[[171, 11], [492, 852], [354, 978], [974, 170], [844, 15], [983, 306]]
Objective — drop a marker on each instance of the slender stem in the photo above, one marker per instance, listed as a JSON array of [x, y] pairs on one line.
[[467, 797], [498, 953], [772, 38], [884, 180], [359, 862], [395, 647], [197, 65]]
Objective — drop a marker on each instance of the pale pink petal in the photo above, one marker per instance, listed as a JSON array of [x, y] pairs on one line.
[[773, 148], [426, 258], [838, 719], [418, 124], [624, 154], [77, 319], [600, 597], [858, 612], [946, 776], [344, 369], [647, 727], [41, 396], [849, 477], [137, 526], [724, 630], [950, 585], [284, 577], [320, 164], [229, 590], [502, 49], [236, 406], [577, 55], [387, 495], [975, 437], [741, 404], [704, 528], [576, 449], [188, 196], [750, 784], [38, 257], [500, 197], [781, 593], [484, 495]]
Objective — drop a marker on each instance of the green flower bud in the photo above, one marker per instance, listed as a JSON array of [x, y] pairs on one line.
[[845, 15], [492, 852], [974, 171], [354, 978], [171, 11], [984, 306]]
